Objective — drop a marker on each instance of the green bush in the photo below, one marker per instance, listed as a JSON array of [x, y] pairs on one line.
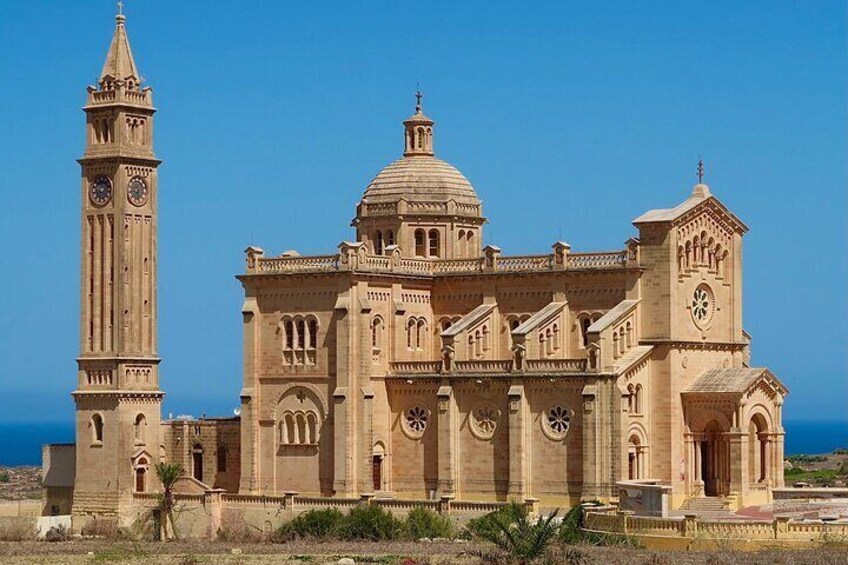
[[515, 533], [370, 522], [317, 524], [424, 523], [569, 530], [4, 477]]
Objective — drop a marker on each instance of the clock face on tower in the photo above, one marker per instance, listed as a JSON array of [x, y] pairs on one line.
[[137, 191], [100, 191]]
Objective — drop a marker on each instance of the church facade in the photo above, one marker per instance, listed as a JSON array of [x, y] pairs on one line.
[[415, 362]]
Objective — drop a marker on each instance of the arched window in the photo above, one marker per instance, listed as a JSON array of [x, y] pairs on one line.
[[472, 250], [446, 325], [410, 333], [140, 475], [376, 332], [420, 250], [97, 428], [222, 458], [680, 256], [301, 334], [462, 243], [556, 336], [311, 428], [434, 243], [420, 334], [615, 345], [485, 338], [390, 238], [287, 429], [584, 330], [631, 402], [696, 251], [138, 427], [378, 243], [513, 325], [197, 462], [313, 333], [687, 262], [420, 136], [637, 399], [301, 428]]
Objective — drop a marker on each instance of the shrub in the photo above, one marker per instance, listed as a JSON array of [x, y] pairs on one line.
[[318, 524], [4, 477], [424, 523], [370, 522], [17, 529], [569, 530], [516, 534]]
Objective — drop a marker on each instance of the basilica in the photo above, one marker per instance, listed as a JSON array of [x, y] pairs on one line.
[[414, 363]]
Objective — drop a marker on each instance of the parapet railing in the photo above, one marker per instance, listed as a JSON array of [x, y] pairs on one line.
[[353, 258], [484, 366], [691, 526]]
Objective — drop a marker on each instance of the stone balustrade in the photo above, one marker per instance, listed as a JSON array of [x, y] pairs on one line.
[[432, 267], [487, 367], [692, 527]]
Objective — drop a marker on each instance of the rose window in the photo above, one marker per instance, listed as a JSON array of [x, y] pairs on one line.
[[416, 420], [556, 422], [484, 421], [702, 305]]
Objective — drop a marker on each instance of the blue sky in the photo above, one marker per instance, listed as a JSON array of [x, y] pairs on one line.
[[569, 118]]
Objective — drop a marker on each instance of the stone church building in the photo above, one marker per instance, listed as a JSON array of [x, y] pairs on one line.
[[415, 362]]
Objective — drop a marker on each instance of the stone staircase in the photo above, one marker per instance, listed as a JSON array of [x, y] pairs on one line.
[[705, 504]]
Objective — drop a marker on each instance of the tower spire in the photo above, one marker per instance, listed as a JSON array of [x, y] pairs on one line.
[[418, 137], [119, 65]]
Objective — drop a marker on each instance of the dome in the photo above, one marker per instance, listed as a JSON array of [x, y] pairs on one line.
[[420, 178]]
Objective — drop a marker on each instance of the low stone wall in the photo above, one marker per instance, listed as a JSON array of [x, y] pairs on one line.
[[21, 508], [811, 502], [206, 515], [689, 531], [644, 497]]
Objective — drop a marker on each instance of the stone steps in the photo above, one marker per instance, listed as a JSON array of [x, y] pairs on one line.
[[705, 504]]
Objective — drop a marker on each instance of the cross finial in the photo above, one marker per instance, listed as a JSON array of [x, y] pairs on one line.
[[120, 7], [700, 171], [418, 97]]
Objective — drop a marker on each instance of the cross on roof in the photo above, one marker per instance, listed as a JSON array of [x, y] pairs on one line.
[[120, 8], [700, 171], [418, 97]]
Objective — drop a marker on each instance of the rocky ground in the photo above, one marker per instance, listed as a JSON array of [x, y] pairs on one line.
[[20, 483], [826, 470], [400, 553]]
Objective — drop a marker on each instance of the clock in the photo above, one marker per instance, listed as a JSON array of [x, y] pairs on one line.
[[137, 191], [100, 191]]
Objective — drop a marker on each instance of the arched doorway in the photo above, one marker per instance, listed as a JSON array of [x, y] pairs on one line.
[[714, 460], [377, 467], [758, 450], [197, 462]]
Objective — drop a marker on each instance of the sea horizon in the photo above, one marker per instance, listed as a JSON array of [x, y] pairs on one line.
[[20, 442]]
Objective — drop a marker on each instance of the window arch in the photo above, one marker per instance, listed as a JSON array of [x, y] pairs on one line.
[[390, 238], [585, 322], [141, 475], [637, 399], [631, 396], [433, 241], [301, 333], [420, 249], [313, 332], [420, 334], [378, 243], [138, 428], [376, 332], [197, 462], [97, 428], [222, 458], [472, 250]]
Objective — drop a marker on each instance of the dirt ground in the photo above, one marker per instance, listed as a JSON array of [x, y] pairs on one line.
[[213, 553]]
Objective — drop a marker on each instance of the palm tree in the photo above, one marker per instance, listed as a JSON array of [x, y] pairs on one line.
[[519, 535], [168, 474]]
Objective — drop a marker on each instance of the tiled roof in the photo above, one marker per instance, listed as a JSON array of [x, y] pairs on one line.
[[420, 178], [733, 380]]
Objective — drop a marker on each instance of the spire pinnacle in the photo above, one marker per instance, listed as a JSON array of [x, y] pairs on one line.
[[119, 65]]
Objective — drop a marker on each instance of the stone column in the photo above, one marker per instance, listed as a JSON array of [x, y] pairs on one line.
[[448, 484], [738, 461], [767, 462], [519, 448], [591, 467]]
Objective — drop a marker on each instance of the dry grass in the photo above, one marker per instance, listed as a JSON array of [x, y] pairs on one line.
[[17, 530], [302, 552]]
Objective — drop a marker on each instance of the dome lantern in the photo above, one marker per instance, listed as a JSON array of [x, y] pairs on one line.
[[418, 135]]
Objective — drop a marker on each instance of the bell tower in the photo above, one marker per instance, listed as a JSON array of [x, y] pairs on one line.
[[118, 400]]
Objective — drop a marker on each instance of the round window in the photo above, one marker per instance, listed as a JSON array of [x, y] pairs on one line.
[[415, 420], [484, 421], [703, 306], [556, 421]]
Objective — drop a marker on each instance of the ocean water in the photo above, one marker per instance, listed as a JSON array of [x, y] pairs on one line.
[[20, 442]]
